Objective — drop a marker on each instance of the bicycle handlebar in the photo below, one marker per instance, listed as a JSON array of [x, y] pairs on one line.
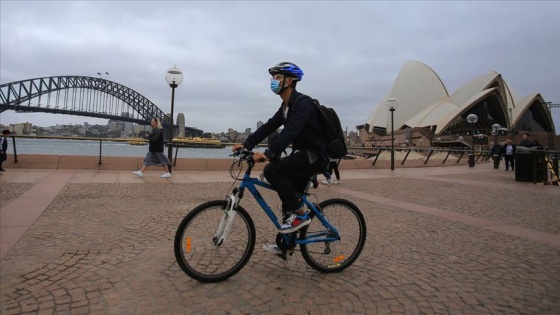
[[246, 155]]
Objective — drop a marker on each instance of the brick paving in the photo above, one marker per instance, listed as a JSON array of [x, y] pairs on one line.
[[441, 240]]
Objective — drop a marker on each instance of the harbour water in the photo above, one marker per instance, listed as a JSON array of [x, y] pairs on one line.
[[108, 148]]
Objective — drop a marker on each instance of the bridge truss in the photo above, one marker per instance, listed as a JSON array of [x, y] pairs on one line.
[[81, 96]]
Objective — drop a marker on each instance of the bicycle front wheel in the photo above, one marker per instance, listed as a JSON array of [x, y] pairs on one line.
[[335, 256], [199, 252]]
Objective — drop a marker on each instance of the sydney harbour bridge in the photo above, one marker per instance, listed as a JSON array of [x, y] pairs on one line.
[[81, 96]]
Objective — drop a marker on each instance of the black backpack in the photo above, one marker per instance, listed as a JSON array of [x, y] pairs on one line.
[[330, 123]]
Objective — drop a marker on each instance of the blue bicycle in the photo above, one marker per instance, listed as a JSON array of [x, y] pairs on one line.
[[216, 239]]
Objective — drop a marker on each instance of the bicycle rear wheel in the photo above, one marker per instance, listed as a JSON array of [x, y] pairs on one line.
[[335, 256], [200, 255]]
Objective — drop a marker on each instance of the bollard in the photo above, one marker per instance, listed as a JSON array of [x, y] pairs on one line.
[[471, 159]]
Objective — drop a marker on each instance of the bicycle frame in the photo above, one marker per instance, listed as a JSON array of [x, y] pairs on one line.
[[329, 235]]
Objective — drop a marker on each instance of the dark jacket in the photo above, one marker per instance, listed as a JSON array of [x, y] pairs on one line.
[[526, 143], [156, 140], [302, 129], [4, 144], [4, 154], [497, 150]]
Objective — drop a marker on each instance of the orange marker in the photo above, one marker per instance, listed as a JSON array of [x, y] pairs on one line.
[[188, 244]]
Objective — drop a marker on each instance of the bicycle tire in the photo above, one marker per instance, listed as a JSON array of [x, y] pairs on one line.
[[198, 255], [338, 255]]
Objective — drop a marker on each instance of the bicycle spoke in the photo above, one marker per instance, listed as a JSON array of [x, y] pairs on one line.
[[195, 248], [333, 256]]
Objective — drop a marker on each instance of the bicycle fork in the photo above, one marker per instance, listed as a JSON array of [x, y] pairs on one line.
[[226, 221]]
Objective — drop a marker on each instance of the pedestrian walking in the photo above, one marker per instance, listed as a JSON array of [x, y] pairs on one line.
[[155, 155], [328, 177], [509, 151], [497, 154], [333, 167], [4, 148]]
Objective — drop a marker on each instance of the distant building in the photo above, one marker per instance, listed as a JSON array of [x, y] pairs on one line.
[[114, 126], [180, 125], [138, 128], [126, 126], [248, 131], [259, 124], [425, 111], [26, 130], [17, 129]]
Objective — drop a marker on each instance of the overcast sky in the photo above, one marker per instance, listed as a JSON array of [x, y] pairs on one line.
[[351, 52]]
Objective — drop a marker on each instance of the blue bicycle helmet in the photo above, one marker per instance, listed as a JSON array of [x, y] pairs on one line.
[[288, 69]]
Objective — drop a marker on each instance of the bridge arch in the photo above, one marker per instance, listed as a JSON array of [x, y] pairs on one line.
[[81, 96]]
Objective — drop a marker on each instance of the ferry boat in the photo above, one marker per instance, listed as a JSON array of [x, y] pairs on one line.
[[138, 141], [197, 142]]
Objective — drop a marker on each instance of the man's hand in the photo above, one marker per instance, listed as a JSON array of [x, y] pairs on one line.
[[237, 147], [259, 157]]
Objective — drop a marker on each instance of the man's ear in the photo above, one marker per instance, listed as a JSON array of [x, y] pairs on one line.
[[289, 81]]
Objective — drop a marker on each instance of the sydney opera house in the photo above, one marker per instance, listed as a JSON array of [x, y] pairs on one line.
[[427, 115]]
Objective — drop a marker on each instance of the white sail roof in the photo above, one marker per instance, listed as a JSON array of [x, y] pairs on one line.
[[423, 100]]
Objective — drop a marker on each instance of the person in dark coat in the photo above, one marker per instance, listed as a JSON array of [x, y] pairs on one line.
[[4, 148], [537, 145], [525, 142], [497, 153], [302, 129], [155, 155]]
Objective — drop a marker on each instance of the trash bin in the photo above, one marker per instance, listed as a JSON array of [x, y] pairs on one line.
[[526, 163]]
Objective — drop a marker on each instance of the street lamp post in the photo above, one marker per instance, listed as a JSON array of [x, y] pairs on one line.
[[472, 119], [495, 152], [173, 77], [495, 131], [392, 105]]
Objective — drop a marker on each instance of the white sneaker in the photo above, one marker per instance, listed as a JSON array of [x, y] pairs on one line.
[[272, 248], [165, 175], [138, 173], [336, 182]]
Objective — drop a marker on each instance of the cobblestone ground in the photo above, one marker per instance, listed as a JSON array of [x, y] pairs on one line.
[[108, 249], [11, 191], [533, 210]]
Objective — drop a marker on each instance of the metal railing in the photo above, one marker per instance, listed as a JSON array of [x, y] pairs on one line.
[[14, 145], [480, 155]]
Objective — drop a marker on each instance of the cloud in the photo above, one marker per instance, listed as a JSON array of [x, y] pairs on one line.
[[351, 52]]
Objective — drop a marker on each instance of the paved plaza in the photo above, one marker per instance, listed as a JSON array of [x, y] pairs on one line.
[[441, 240]]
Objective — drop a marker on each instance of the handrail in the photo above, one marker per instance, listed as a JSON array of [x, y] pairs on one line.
[[428, 152], [14, 146]]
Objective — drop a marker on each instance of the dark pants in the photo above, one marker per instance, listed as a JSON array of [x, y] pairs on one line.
[[3, 157], [509, 162], [289, 176], [333, 166]]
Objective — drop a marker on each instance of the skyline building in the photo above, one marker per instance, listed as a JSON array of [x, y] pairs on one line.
[[180, 125]]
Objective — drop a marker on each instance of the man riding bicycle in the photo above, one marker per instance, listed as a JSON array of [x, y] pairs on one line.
[[302, 129]]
